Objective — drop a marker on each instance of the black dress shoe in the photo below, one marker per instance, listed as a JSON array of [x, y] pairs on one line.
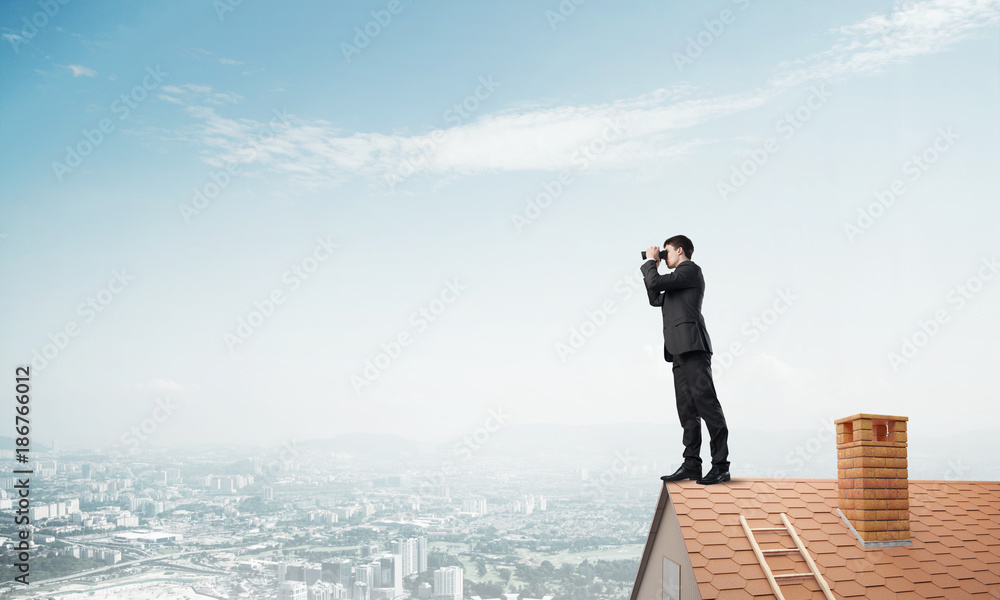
[[683, 473], [715, 475]]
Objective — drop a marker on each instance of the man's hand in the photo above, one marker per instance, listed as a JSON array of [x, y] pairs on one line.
[[654, 253]]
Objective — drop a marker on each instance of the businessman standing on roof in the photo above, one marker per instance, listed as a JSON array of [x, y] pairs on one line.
[[686, 344]]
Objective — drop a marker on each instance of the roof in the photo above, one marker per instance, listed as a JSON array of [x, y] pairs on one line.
[[954, 551]]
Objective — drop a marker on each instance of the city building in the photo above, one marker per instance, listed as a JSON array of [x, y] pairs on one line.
[[413, 553], [322, 590], [390, 576], [307, 573], [313, 573], [145, 536], [475, 505], [337, 570], [292, 590], [361, 591], [365, 574], [422, 554], [448, 583]]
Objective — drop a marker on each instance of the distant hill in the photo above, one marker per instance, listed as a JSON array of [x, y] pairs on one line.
[[754, 453]]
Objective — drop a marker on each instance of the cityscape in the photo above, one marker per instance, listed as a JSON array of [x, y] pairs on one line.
[[534, 511], [309, 520]]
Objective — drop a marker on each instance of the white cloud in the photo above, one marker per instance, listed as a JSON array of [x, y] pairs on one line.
[[194, 52], [647, 129], [103, 41], [170, 99], [79, 70], [230, 61], [909, 30], [191, 93]]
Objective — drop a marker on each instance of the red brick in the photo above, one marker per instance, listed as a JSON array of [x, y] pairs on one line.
[[901, 525]]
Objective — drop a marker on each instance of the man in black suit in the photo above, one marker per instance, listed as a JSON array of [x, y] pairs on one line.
[[686, 344]]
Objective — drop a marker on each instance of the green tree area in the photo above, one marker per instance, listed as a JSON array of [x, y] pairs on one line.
[[495, 547], [256, 505], [437, 559], [486, 589], [46, 567], [318, 556]]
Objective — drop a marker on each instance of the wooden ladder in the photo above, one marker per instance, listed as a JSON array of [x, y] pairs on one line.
[[799, 547]]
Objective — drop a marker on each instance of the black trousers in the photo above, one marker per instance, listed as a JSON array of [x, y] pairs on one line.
[[696, 400]]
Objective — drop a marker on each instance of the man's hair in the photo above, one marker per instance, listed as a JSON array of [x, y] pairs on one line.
[[681, 241]]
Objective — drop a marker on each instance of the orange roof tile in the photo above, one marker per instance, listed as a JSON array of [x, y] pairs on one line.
[[954, 551]]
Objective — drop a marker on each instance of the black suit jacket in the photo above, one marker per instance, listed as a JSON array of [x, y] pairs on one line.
[[679, 294]]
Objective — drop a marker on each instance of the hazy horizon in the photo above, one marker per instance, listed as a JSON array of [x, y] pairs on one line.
[[612, 448]]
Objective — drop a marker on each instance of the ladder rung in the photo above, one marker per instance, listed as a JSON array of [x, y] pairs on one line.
[[772, 579]]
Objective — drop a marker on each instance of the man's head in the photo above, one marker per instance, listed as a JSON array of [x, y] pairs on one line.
[[678, 249]]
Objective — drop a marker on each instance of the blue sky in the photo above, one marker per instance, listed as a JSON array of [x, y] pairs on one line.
[[362, 187]]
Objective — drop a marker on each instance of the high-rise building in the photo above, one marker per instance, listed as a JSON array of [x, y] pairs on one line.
[[292, 572], [422, 554], [268, 493], [475, 505], [407, 550], [313, 573], [448, 582], [391, 574], [362, 591], [292, 590], [365, 574], [322, 590], [337, 570]]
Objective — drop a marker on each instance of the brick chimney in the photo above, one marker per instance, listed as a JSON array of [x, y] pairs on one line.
[[872, 481]]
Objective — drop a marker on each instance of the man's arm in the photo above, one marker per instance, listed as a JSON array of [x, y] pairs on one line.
[[677, 279], [655, 298]]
